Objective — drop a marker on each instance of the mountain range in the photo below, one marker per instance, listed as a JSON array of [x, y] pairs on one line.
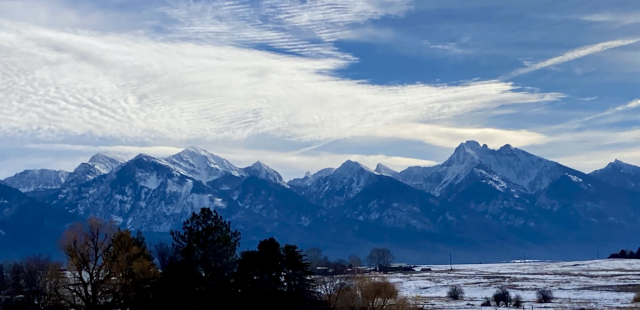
[[481, 203]]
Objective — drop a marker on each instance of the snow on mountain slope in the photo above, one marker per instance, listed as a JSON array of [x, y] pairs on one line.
[[28, 226], [97, 165], [145, 193], [203, 165], [386, 171], [34, 180], [342, 184], [508, 167], [264, 172], [310, 178], [620, 174]]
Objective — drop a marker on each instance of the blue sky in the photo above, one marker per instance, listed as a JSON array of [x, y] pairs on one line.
[[302, 85]]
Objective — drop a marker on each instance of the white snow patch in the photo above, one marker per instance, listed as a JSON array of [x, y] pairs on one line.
[[587, 284], [574, 178], [149, 180]]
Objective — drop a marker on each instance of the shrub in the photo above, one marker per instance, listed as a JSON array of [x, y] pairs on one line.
[[517, 301], [544, 296], [455, 292], [502, 296], [636, 298], [368, 293], [486, 302]]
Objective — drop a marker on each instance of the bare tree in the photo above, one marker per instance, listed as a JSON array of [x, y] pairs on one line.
[[380, 257], [86, 248], [38, 282], [368, 293], [355, 262], [107, 268], [316, 258], [333, 288]]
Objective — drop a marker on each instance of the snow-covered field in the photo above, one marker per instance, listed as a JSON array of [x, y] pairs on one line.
[[601, 284]]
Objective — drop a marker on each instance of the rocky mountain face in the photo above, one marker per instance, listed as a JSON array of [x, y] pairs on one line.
[[264, 172], [37, 180], [620, 174], [478, 200], [99, 164], [28, 226]]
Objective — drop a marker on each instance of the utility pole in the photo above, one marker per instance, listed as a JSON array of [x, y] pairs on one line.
[[450, 261], [524, 255]]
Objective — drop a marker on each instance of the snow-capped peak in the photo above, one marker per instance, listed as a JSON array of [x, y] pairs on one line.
[[260, 165], [203, 165], [32, 180], [105, 162], [386, 171], [309, 178], [349, 168], [262, 171], [522, 170], [624, 167], [99, 164]]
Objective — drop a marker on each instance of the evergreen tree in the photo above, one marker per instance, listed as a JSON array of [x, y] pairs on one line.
[[3, 280], [274, 275], [16, 286], [622, 254], [207, 249], [298, 283], [136, 270]]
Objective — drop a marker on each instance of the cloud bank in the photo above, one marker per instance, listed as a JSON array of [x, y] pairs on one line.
[[58, 85]]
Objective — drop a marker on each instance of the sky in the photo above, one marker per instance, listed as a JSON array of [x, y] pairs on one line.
[[303, 85]]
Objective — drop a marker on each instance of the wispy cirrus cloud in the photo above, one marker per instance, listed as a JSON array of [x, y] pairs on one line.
[[59, 84], [619, 19], [303, 27], [569, 56]]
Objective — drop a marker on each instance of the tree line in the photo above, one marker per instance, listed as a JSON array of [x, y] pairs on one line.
[[379, 259], [110, 268], [626, 254]]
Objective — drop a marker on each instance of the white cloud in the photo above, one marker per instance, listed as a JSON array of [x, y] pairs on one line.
[[73, 14], [594, 160], [451, 46], [128, 151], [13, 165], [299, 26], [58, 85], [629, 106], [569, 56], [445, 136], [619, 19]]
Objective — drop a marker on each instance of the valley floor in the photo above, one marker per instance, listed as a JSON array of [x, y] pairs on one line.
[[601, 284]]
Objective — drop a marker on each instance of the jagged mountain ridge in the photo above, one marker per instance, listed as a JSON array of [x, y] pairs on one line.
[[506, 168], [37, 180], [28, 226], [479, 191], [620, 174], [99, 164]]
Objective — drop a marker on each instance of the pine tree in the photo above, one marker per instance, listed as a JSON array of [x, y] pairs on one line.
[[16, 286], [299, 287], [136, 270], [3, 280], [207, 249], [275, 275]]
